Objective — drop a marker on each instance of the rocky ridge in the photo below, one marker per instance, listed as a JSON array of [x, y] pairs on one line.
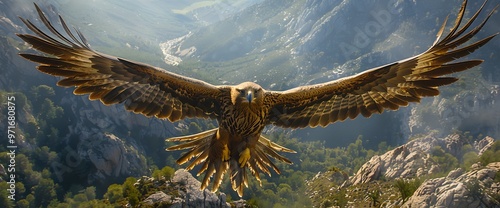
[[374, 181]]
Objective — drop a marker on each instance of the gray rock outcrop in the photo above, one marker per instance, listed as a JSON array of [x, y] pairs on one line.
[[110, 156], [413, 159], [187, 194], [484, 144], [192, 196], [458, 189], [409, 160]]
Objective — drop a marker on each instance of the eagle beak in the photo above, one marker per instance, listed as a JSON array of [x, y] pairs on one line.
[[249, 96]]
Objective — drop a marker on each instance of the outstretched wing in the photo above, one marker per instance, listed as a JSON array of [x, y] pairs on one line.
[[142, 88], [385, 87]]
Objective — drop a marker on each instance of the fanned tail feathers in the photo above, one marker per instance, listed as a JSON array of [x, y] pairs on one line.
[[199, 147]]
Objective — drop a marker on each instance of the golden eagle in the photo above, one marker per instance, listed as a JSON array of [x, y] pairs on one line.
[[242, 111]]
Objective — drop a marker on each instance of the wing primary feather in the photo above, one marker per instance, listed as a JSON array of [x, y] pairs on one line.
[[458, 53], [195, 152], [454, 35], [425, 91], [69, 33], [49, 26], [386, 102], [441, 30], [60, 71], [40, 33], [460, 15], [434, 82], [45, 46], [98, 94], [450, 68], [66, 65], [81, 90]]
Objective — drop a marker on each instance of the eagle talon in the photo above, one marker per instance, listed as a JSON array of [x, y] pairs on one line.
[[244, 157], [225, 153]]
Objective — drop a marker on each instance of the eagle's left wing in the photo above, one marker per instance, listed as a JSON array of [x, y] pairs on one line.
[[143, 89], [385, 87]]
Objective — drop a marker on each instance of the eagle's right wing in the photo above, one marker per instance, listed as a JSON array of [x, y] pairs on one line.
[[384, 87], [142, 88]]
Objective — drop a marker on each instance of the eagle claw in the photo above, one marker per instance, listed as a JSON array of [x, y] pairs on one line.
[[244, 157], [225, 153]]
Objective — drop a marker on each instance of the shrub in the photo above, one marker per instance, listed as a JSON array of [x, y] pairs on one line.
[[406, 188]]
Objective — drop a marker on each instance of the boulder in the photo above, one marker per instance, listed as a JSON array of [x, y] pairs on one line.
[[190, 195], [406, 161]]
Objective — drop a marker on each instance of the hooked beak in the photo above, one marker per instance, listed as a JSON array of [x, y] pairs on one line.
[[249, 96]]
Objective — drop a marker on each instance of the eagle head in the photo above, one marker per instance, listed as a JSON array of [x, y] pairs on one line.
[[247, 92]]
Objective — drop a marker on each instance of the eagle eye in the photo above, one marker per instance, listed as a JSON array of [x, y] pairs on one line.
[[242, 92]]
